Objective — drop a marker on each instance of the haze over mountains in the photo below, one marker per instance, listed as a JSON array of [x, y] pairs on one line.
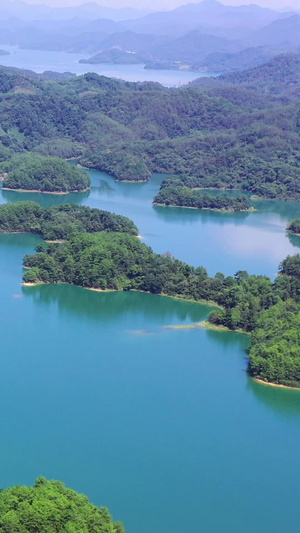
[[207, 36]]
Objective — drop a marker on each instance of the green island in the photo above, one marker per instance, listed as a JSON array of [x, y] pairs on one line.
[[34, 172], [51, 507], [100, 251], [173, 193], [224, 132], [57, 223], [294, 226]]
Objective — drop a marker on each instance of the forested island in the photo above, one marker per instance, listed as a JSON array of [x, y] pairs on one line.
[[294, 226], [34, 172], [179, 195], [59, 223], [99, 250], [50, 507], [235, 131]]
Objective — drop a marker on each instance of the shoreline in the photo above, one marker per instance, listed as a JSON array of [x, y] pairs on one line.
[[292, 232], [277, 385], [208, 303], [229, 211], [44, 192]]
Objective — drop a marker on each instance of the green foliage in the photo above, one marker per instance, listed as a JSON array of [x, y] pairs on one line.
[[275, 345], [224, 134], [50, 507], [60, 222], [187, 197], [50, 174]]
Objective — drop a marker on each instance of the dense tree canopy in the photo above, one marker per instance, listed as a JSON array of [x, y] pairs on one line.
[[50, 507], [223, 134], [183, 196], [61, 222], [49, 174], [275, 345]]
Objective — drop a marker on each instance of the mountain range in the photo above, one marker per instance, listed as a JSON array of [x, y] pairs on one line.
[[207, 36]]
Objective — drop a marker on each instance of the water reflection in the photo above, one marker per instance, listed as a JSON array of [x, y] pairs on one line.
[[283, 401], [46, 200], [111, 306]]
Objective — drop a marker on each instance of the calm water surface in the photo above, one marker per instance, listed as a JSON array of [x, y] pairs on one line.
[[163, 426], [39, 61]]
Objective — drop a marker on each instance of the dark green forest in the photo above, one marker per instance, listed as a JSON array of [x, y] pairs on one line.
[[182, 196], [56, 223], [224, 134], [31, 171], [50, 507]]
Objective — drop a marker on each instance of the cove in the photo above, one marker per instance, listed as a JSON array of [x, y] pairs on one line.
[[162, 426]]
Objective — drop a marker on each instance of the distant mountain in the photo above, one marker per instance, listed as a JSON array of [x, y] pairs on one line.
[[194, 46], [207, 14], [89, 11], [114, 57], [208, 36], [135, 42], [67, 36], [281, 33], [247, 58]]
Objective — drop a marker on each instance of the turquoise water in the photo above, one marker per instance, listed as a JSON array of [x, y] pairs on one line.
[[163, 426], [225, 242]]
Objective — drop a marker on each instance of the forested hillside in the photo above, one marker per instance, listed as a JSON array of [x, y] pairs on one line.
[[220, 135]]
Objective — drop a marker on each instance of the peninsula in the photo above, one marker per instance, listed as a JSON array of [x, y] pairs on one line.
[[100, 250], [30, 172]]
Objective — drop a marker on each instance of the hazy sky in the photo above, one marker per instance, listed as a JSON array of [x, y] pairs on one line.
[[165, 4]]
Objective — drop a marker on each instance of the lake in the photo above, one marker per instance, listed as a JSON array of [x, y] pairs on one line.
[[161, 425], [40, 61]]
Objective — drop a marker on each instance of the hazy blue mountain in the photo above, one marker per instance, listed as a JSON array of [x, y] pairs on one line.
[[135, 42], [281, 33], [207, 14], [247, 58], [194, 46], [89, 10]]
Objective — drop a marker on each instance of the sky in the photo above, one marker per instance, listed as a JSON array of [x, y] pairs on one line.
[[165, 4]]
